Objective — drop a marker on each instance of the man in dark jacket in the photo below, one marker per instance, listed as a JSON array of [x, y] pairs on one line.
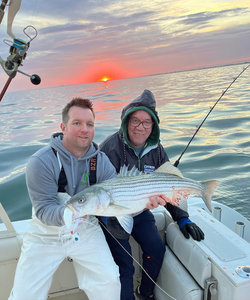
[[137, 144]]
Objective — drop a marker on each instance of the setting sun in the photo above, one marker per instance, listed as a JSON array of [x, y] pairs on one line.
[[105, 79], [105, 71]]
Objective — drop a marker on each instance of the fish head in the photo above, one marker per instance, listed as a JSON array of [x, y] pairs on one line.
[[91, 201]]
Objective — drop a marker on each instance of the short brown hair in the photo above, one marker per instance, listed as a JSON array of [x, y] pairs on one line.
[[78, 101]]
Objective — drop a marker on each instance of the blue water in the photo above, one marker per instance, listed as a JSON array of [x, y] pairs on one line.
[[221, 149]]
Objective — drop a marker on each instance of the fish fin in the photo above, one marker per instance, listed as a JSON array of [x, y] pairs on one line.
[[168, 168], [124, 172], [210, 187], [127, 222]]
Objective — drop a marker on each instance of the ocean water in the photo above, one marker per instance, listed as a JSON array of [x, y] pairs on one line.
[[220, 150]]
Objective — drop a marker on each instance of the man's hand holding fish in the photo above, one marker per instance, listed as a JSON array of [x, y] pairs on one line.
[[155, 201]]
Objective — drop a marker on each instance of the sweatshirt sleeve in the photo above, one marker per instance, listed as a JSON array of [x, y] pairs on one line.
[[42, 187]]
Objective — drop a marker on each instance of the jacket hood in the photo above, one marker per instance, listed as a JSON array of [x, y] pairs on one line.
[[69, 161], [146, 101]]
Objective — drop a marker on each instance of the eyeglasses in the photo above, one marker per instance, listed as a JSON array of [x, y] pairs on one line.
[[135, 122]]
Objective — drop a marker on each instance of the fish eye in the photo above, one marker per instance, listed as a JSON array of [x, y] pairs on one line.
[[81, 200]]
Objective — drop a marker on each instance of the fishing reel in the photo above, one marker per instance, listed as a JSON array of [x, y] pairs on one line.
[[18, 52]]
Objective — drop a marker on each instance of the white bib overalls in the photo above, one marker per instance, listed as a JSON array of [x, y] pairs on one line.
[[43, 252]]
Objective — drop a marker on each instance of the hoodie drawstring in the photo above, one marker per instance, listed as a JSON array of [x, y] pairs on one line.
[[59, 161], [72, 171]]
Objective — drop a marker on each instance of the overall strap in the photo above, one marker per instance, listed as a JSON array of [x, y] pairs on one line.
[[62, 180], [92, 170]]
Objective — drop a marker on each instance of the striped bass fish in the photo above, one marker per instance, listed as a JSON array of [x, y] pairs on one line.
[[129, 193]]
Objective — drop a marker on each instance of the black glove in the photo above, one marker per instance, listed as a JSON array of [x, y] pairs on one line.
[[187, 227]]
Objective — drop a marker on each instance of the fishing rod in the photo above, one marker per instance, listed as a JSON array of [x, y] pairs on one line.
[[18, 48], [223, 93]]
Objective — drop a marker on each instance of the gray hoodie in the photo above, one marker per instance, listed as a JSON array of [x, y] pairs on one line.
[[43, 171]]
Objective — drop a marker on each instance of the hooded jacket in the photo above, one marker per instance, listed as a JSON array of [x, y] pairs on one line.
[[120, 152], [43, 171]]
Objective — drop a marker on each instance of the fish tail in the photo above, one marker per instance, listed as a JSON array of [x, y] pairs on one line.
[[210, 187]]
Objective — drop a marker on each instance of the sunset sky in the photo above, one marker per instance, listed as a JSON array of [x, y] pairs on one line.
[[84, 41]]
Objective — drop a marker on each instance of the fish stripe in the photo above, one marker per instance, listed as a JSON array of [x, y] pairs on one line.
[[156, 184]]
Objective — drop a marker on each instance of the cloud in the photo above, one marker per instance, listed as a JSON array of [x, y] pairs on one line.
[[64, 28], [205, 17], [140, 37]]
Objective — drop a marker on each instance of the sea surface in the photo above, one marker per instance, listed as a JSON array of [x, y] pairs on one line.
[[220, 150]]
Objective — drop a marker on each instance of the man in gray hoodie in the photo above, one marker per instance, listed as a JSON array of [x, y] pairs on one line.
[[137, 143], [54, 174]]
